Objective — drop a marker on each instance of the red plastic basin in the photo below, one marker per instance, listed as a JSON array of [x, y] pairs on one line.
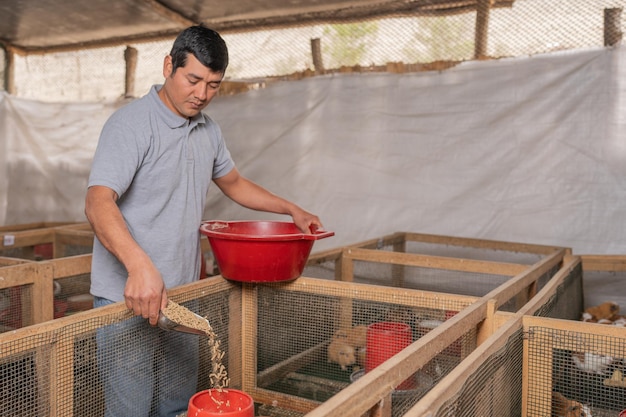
[[260, 251]]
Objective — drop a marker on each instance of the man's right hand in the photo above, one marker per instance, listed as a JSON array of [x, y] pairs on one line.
[[145, 292]]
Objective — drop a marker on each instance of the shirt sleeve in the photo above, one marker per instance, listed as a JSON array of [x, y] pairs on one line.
[[118, 156]]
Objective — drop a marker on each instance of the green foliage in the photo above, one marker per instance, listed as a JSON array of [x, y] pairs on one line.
[[347, 44]]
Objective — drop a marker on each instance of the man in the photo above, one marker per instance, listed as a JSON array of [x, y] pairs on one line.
[[151, 172]]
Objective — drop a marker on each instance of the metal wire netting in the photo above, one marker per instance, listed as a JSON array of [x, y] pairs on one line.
[[312, 346], [422, 278], [415, 42], [567, 300], [495, 388], [67, 369], [575, 369], [15, 307]]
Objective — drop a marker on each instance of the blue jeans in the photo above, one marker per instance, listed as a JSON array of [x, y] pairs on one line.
[[145, 371]]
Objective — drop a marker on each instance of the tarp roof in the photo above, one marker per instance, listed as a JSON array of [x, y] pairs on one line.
[[43, 26]]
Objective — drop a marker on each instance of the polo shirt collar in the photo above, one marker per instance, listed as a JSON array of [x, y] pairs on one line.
[[172, 120]]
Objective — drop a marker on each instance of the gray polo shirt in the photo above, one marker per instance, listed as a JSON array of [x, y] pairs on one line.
[[160, 165]]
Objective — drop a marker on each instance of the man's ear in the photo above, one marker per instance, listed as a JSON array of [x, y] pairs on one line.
[[167, 66]]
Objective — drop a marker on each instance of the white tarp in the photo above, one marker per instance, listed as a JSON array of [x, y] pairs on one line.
[[526, 150]]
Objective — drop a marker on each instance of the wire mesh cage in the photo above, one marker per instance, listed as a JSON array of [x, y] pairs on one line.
[[495, 388], [277, 341], [566, 299], [312, 345], [58, 367], [34, 292], [437, 263], [574, 366], [400, 37], [43, 241], [72, 240], [490, 380], [22, 289]]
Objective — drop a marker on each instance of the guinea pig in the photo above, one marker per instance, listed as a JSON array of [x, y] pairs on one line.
[[605, 311], [342, 353], [354, 336], [564, 407], [592, 362]]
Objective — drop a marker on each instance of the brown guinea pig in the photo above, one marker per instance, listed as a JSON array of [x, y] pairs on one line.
[[564, 407], [342, 353], [605, 311]]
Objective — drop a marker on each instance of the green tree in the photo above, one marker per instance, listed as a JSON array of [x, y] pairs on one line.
[[347, 44]]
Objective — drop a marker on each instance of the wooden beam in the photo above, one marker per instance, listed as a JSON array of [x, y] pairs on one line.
[[612, 263], [484, 243], [170, 14], [436, 262], [401, 296]]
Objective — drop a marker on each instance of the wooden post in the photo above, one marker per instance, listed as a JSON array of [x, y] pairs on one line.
[[316, 52], [130, 56], [483, 8], [9, 71], [612, 29]]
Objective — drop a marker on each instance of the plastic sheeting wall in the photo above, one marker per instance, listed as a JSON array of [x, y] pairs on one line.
[[527, 150]]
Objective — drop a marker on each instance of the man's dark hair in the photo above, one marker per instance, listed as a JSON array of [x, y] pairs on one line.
[[205, 44]]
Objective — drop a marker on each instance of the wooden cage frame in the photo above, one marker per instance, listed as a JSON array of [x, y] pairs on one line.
[[58, 234], [372, 391], [506, 324], [368, 393]]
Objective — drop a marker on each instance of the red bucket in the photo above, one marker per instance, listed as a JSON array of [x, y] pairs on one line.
[[225, 403], [260, 251], [384, 340]]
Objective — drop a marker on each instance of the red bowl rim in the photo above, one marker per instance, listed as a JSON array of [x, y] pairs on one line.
[[207, 229]]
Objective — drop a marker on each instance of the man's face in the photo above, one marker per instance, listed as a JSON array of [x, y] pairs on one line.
[[187, 91]]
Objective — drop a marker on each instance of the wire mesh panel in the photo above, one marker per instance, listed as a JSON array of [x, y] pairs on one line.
[[574, 366], [414, 277], [477, 274], [495, 388], [25, 294], [72, 367], [71, 295], [72, 240], [312, 343], [45, 241], [15, 307], [416, 37], [428, 279], [25, 386], [566, 301]]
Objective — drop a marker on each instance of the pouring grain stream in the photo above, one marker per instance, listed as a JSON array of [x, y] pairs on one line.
[[183, 316]]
